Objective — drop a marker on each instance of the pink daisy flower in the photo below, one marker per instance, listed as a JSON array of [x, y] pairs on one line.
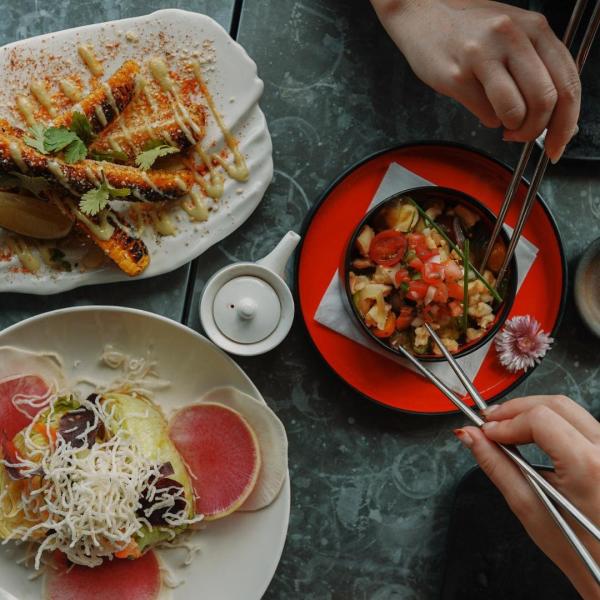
[[521, 343]]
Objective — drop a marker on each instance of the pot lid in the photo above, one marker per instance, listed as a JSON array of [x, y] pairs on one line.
[[246, 309]]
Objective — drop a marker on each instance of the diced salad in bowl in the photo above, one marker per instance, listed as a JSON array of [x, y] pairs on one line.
[[414, 259]]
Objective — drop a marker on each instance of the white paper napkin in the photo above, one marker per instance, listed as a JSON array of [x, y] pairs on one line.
[[332, 311]]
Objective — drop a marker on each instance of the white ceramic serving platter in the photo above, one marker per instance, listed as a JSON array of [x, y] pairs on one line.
[[178, 36], [240, 553]]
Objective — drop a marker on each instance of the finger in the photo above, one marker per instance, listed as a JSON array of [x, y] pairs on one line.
[[536, 87], [472, 96], [566, 446], [503, 473], [568, 409], [502, 93], [562, 69]]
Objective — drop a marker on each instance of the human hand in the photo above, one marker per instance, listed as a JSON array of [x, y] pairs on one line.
[[571, 438], [503, 63]]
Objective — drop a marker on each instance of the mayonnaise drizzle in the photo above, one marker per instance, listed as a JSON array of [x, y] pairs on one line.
[[70, 90], [38, 89], [15, 154], [91, 62], [215, 185], [110, 97], [26, 109], [184, 120], [100, 114], [194, 206], [55, 169], [102, 230], [23, 252], [239, 169]]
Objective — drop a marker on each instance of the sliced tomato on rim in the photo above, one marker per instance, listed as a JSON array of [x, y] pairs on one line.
[[405, 318], [417, 290], [388, 248], [390, 325]]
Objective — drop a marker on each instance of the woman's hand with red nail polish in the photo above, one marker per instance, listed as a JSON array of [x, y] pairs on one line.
[[570, 436]]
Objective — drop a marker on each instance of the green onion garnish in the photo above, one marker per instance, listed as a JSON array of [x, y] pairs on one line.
[[454, 247]]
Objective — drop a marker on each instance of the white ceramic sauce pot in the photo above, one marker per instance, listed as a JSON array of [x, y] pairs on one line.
[[247, 308]]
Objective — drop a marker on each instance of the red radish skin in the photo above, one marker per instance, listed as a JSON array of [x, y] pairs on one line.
[[11, 419], [222, 454], [120, 578]]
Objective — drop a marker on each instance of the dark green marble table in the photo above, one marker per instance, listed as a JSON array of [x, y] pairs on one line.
[[371, 489]]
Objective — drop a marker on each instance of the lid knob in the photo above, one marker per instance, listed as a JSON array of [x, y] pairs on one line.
[[246, 308]]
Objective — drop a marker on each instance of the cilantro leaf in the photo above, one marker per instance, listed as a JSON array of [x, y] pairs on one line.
[[75, 151], [36, 139], [146, 159], [57, 138], [81, 127], [93, 201], [110, 156]]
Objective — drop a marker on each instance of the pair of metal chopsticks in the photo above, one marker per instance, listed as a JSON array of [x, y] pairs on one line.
[[544, 490], [542, 164]]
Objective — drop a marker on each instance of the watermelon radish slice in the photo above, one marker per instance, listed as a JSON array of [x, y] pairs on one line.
[[272, 441], [25, 376], [120, 578], [222, 454]]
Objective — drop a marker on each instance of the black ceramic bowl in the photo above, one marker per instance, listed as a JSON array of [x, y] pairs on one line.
[[447, 195]]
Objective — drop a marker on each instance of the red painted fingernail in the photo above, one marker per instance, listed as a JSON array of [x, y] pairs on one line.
[[464, 437]]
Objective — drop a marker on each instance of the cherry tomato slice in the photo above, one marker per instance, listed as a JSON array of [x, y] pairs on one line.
[[388, 248]]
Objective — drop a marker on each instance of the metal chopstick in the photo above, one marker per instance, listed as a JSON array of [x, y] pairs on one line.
[[511, 191], [517, 458], [562, 524], [542, 164]]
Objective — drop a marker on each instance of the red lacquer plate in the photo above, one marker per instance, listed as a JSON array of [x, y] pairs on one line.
[[331, 222]]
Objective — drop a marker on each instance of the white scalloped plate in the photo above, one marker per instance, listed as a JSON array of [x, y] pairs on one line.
[[233, 82], [240, 553]]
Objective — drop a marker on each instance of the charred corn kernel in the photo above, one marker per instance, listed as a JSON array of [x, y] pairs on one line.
[[130, 254]]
